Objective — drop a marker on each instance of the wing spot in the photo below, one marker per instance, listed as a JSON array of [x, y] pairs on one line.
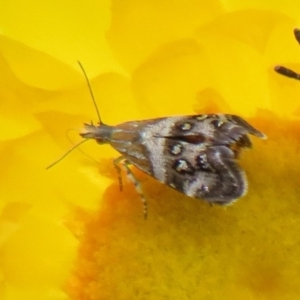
[[217, 123], [202, 162], [176, 149], [185, 126], [201, 117], [183, 166], [205, 188]]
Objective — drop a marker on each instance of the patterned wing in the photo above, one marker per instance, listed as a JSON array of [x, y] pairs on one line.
[[214, 129], [198, 156], [204, 171], [195, 155]]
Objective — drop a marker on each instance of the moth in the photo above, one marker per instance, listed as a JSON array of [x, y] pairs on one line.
[[195, 155], [285, 71]]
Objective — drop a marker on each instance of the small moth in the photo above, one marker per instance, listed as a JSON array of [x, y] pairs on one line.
[[285, 71], [195, 155]]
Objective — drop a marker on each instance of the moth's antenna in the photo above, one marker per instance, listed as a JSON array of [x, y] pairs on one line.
[[297, 34], [67, 153], [287, 72], [91, 91]]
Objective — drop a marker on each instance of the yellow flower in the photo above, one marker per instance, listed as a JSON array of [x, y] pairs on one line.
[[68, 232]]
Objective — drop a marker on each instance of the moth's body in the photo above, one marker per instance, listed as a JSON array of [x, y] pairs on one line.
[[195, 155]]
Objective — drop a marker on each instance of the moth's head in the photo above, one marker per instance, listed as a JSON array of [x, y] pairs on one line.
[[100, 133]]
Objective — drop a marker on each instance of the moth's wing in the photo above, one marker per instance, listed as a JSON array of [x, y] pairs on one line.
[[193, 154], [245, 127], [199, 156], [205, 172], [216, 129]]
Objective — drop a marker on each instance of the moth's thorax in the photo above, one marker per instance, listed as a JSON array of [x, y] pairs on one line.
[[129, 139]]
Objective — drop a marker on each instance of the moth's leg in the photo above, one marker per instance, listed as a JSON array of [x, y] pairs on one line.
[[116, 163], [137, 185]]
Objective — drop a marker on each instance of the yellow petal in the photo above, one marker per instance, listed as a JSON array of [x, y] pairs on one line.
[[69, 232]]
